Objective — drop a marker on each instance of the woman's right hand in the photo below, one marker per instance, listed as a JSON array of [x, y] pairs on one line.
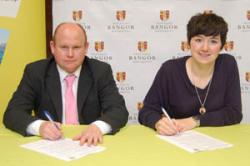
[[166, 127]]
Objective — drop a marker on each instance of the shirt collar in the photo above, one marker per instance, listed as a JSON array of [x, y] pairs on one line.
[[63, 73]]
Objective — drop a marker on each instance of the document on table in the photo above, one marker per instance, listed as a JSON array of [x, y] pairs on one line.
[[64, 149], [194, 141]]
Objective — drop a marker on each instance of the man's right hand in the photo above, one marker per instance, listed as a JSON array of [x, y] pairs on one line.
[[50, 130]]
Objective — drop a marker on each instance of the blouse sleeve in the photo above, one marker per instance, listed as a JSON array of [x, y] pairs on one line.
[[151, 111]]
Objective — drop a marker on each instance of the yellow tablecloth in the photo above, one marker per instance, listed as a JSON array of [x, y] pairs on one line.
[[134, 145]]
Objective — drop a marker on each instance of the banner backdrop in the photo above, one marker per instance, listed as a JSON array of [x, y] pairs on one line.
[[137, 36]]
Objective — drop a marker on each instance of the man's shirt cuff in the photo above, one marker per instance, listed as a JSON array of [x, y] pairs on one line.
[[103, 126], [33, 128]]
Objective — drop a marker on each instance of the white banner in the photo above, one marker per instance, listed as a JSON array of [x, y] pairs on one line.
[[137, 36]]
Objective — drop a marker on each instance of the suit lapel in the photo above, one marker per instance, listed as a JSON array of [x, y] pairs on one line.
[[54, 89], [84, 84]]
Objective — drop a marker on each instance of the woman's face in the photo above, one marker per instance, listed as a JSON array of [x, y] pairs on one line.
[[205, 49]]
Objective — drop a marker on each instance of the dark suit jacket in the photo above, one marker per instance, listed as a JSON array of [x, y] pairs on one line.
[[40, 89]]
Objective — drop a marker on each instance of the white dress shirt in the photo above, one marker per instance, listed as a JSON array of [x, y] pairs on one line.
[[33, 128]]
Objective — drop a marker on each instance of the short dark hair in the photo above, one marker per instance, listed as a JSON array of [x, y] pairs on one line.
[[79, 25], [208, 24]]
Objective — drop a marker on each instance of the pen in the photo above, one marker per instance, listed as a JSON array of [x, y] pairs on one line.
[[168, 117], [47, 114], [166, 114]]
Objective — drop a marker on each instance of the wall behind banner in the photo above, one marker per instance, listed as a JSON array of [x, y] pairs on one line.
[[26, 43], [137, 36]]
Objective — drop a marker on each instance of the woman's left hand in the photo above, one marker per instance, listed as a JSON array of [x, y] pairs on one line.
[[185, 124]]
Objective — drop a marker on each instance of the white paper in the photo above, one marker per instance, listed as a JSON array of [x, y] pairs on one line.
[[64, 149], [9, 8], [194, 141]]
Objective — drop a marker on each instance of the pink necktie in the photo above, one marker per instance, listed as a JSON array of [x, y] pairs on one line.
[[71, 115]]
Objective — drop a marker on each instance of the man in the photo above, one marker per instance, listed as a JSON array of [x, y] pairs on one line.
[[45, 88]]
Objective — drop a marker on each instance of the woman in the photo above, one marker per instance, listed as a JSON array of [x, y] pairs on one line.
[[198, 90]]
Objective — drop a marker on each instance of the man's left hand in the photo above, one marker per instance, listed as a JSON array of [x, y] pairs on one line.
[[91, 136]]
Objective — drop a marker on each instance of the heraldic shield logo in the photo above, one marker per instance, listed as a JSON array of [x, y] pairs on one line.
[[77, 15], [164, 15], [208, 11], [142, 46], [99, 46], [139, 106], [229, 46], [185, 46], [121, 76], [247, 76], [120, 15], [248, 15]]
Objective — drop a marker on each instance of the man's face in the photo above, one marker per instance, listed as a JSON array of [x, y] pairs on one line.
[[69, 47]]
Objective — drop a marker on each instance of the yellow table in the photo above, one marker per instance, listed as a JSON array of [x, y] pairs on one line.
[[134, 145]]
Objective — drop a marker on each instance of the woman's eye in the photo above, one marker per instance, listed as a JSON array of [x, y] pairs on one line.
[[198, 40], [214, 41]]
